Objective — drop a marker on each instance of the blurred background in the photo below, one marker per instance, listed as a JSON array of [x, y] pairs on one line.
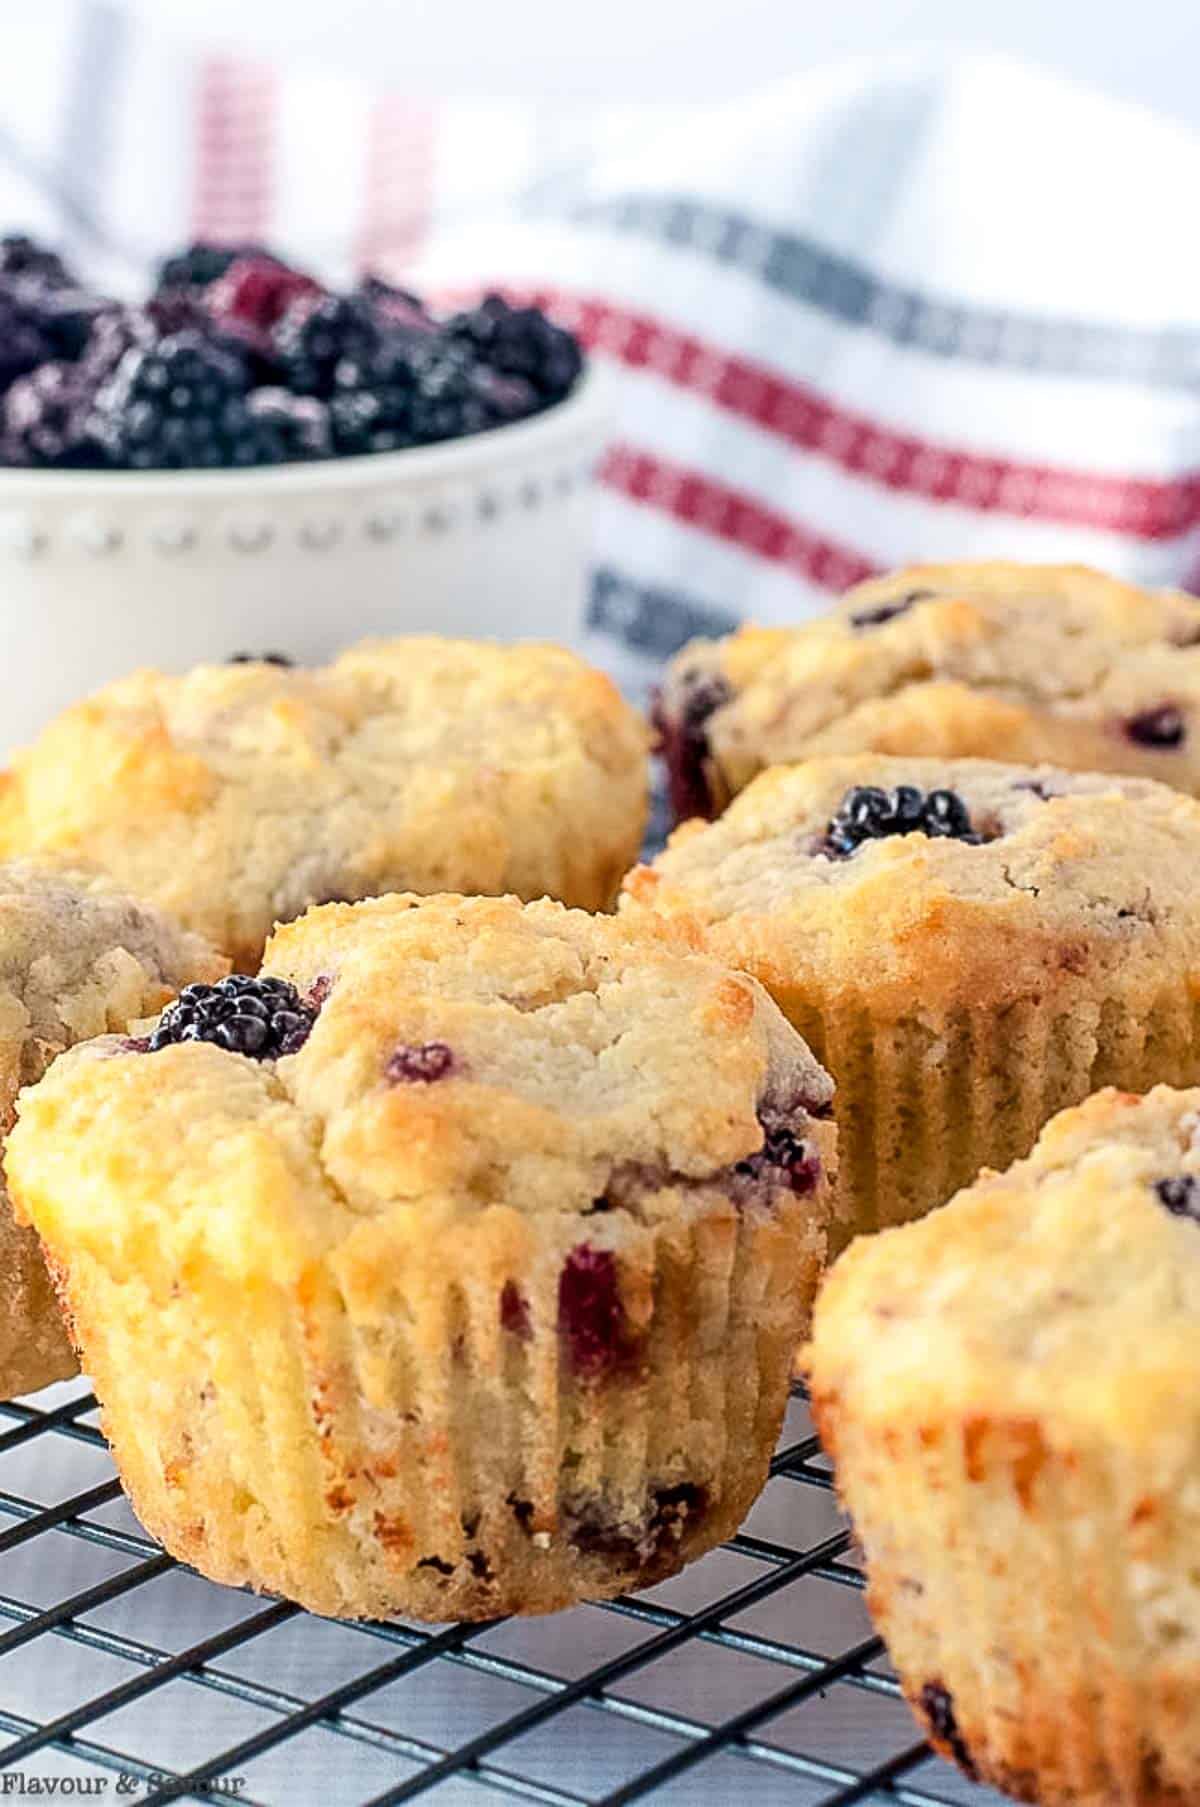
[[701, 49], [867, 284]]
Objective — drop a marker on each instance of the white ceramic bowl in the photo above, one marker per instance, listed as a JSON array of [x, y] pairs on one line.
[[101, 572]]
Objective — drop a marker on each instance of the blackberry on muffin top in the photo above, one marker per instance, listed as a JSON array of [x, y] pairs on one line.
[[78, 957], [472, 1285], [1008, 1392], [967, 946], [1027, 663], [239, 794]]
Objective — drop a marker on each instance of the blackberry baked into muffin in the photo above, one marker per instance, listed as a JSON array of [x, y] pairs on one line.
[[77, 957], [239, 794], [1027, 663], [967, 946], [1008, 1392], [453, 1267]]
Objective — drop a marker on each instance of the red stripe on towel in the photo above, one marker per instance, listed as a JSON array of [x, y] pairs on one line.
[[234, 167], [730, 514], [1141, 508], [398, 184]]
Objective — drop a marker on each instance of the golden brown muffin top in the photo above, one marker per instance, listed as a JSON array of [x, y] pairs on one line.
[[77, 957], [1022, 662], [1065, 1292], [238, 794], [473, 1063], [1069, 880]]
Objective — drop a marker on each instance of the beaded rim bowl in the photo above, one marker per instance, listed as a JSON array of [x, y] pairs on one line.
[[103, 571]]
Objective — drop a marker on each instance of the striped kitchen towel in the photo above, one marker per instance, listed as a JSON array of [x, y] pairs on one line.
[[922, 307]]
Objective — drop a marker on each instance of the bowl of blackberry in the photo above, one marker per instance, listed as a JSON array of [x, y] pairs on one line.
[[245, 459]]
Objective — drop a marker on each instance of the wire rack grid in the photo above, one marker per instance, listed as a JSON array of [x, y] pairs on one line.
[[125, 1676]]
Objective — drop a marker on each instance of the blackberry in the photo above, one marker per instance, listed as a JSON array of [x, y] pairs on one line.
[[254, 293], [889, 611], [24, 341], [47, 420], [371, 410], [200, 263], [393, 308], [67, 316], [451, 398], [1161, 727], [867, 813], [289, 428], [409, 392], [421, 1063], [112, 335], [315, 334], [683, 741], [262, 1018], [178, 404], [1181, 1195], [21, 255], [521, 342]]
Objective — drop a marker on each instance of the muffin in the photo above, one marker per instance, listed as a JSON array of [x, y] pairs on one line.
[[77, 957], [1027, 663], [968, 947], [1008, 1392], [239, 794], [472, 1286]]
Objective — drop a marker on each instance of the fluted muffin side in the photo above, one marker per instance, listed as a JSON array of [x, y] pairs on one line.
[[1003, 1391], [965, 961], [482, 1299]]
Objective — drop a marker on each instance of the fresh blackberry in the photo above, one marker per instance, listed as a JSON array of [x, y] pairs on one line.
[[24, 341], [21, 255], [521, 342], [409, 392], [112, 335], [372, 407], [177, 404], [68, 316], [289, 428], [262, 1018], [253, 294], [200, 263], [451, 398], [867, 813], [394, 309], [47, 420], [1181, 1195], [315, 334]]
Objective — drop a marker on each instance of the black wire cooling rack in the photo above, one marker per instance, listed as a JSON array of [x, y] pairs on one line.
[[126, 1676]]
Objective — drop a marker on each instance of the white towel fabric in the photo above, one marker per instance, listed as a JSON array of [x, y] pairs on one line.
[[920, 307]]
